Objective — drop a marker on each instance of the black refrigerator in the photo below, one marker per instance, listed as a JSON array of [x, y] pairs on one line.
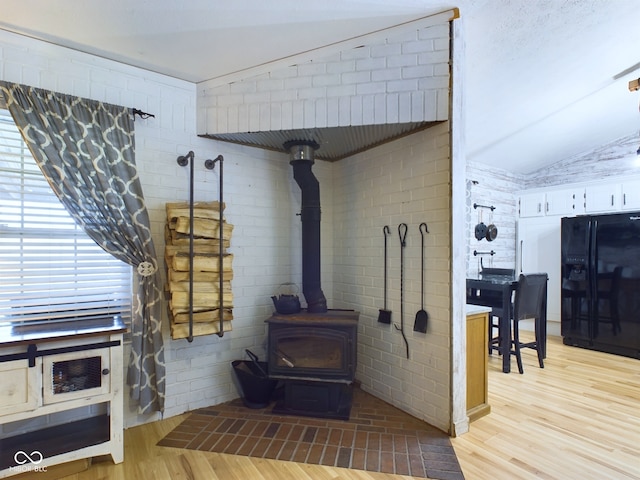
[[601, 282]]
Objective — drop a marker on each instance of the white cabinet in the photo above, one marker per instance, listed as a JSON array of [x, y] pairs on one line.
[[539, 251], [531, 205], [44, 377], [631, 195], [578, 199], [602, 198], [565, 202], [562, 202]]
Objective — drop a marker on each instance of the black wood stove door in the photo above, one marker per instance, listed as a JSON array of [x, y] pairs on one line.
[[320, 350]]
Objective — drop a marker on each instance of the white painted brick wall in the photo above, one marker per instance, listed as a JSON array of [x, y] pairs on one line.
[[403, 181], [261, 198], [345, 88], [498, 188]]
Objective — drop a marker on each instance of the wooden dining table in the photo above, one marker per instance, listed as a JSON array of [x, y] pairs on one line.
[[492, 290]]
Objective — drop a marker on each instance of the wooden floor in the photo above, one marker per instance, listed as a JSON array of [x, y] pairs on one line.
[[579, 417]]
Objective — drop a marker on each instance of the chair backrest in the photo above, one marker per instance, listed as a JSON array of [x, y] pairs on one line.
[[531, 295], [497, 271]]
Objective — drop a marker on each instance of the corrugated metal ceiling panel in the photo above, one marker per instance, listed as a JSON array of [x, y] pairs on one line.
[[335, 142]]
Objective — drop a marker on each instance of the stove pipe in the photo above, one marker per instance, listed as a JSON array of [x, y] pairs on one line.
[[301, 157]]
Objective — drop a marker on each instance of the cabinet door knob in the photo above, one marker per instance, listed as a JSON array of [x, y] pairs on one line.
[[105, 371]]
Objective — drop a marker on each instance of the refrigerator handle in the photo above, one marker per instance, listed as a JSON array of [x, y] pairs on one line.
[[521, 254], [592, 274]]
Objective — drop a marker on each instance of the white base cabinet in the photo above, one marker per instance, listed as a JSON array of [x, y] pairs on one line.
[[74, 373]]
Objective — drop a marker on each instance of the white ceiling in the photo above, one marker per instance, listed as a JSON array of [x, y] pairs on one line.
[[544, 79]]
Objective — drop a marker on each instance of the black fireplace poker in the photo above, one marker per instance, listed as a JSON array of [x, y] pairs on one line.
[[301, 154]]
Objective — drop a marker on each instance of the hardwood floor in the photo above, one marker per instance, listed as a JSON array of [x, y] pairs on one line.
[[579, 417]]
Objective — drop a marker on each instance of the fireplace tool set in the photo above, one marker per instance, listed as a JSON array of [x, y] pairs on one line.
[[422, 317], [385, 315], [402, 233]]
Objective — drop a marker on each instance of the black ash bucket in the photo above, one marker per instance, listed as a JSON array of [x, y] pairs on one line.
[[257, 388]]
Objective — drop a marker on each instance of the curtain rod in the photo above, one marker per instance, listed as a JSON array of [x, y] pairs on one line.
[[143, 115]]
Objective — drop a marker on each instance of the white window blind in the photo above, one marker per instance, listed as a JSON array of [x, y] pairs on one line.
[[50, 270]]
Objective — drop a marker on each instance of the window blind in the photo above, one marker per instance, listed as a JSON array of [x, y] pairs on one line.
[[50, 270]]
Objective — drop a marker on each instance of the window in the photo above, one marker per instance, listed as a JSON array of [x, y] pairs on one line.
[[50, 270]]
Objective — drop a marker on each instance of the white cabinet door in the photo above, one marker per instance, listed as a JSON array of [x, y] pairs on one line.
[[602, 198], [21, 386], [531, 205], [539, 252], [565, 202], [631, 195], [72, 375]]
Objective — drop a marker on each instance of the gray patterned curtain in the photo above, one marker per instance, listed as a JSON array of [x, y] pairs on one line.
[[86, 151]]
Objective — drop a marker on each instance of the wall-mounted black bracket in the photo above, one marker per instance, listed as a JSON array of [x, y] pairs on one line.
[[476, 253], [141, 114], [477, 205]]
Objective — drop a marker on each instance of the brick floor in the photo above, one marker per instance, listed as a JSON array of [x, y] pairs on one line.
[[377, 437]]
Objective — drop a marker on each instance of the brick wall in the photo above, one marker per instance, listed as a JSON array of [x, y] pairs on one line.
[[261, 198], [406, 180], [400, 75]]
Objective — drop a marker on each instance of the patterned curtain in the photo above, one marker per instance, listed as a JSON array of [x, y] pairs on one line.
[[86, 151]]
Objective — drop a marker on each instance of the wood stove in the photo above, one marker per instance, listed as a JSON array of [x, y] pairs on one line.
[[315, 356], [313, 353]]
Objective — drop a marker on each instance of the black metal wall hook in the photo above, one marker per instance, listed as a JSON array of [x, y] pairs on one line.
[[426, 229]]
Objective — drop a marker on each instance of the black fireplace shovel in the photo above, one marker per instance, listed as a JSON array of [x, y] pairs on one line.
[[385, 315], [420, 324]]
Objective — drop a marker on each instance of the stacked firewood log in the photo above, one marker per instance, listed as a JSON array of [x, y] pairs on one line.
[[206, 269]]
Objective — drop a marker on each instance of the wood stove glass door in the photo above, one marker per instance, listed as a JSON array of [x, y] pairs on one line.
[[311, 352]]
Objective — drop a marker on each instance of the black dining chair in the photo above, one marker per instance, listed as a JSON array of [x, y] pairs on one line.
[[494, 299], [530, 302]]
